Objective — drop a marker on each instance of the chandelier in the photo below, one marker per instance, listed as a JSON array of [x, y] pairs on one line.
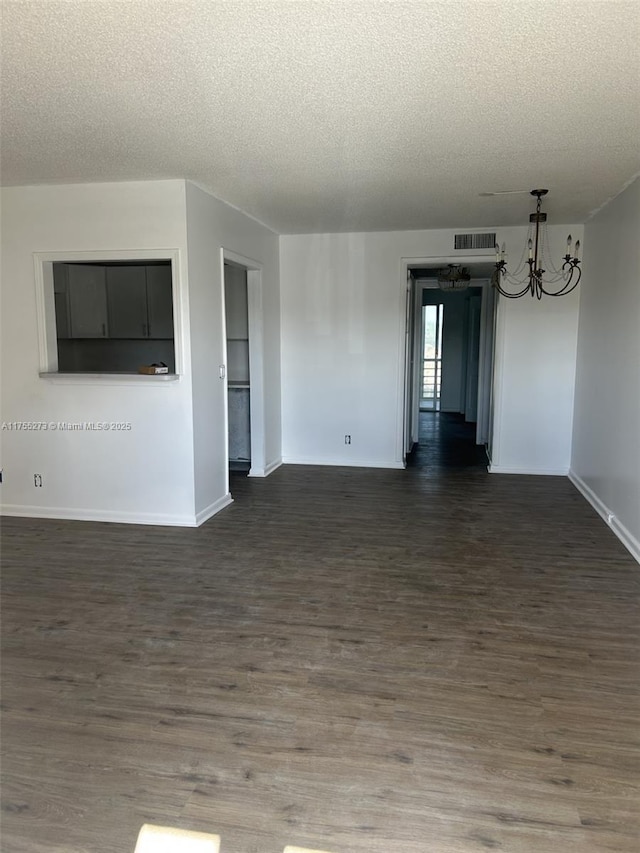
[[529, 276], [455, 277]]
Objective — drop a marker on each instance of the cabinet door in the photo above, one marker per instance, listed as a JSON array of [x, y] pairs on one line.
[[127, 301], [87, 301], [159, 301]]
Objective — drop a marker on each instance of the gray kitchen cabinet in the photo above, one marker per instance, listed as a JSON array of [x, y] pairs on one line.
[[159, 301], [87, 292], [140, 301], [127, 301]]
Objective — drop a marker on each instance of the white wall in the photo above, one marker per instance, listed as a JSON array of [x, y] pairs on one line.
[[343, 319], [535, 373], [145, 474], [340, 349], [213, 226], [605, 460], [170, 467]]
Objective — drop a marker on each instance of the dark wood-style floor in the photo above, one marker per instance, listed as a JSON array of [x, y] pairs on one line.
[[446, 442], [423, 661]]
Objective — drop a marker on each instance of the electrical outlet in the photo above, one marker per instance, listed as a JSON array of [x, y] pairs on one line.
[[37, 481], [347, 439]]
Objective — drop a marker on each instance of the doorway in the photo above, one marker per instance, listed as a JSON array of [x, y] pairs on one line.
[[244, 365], [449, 358], [238, 369], [431, 348]]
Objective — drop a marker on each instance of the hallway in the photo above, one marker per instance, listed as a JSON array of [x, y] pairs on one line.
[[446, 442]]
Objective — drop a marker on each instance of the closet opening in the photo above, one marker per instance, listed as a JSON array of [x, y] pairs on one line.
[[238, 368], [244, 365]]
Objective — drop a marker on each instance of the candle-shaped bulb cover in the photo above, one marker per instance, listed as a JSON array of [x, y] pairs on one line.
[[569, 244], [497, 248], [577, 248], [530, 244]]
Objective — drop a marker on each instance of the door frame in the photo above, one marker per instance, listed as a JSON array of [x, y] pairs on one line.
[[405, 378], [255, 315], [473, 334], [486, 369]]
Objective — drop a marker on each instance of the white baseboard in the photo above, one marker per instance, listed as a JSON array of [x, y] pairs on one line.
[[630, 542], [112, 516], [342, 463], [213, 508], [264, 472], [538, 472]]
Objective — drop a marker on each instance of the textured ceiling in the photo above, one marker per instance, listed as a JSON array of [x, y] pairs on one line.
[[330, 115]]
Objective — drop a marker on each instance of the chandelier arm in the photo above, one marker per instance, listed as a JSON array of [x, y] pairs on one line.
[[570, 283], [496, 283]]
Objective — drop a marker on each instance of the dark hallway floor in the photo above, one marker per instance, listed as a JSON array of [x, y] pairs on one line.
[[446, 441]]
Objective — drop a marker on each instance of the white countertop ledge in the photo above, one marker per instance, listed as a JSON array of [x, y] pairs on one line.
[[108, 378]]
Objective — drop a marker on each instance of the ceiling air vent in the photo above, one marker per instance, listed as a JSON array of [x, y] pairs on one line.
[[474, 241]]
